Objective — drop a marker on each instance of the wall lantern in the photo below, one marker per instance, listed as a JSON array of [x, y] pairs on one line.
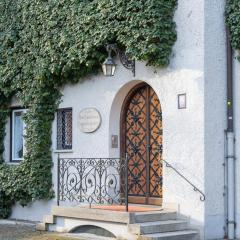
[[182, 101], [109, 66]]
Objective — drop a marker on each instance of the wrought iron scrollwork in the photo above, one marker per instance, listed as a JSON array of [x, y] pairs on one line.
[[92, 180], [125, 59]]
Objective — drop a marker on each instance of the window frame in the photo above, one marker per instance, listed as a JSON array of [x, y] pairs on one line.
[[13, 110], [57, 131]]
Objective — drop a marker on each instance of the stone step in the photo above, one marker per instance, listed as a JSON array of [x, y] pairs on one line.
[[49, 219], [158, 227], [155, 225], [114, 216], [155, 216], [177, 235], [91, 214], [41, 227]]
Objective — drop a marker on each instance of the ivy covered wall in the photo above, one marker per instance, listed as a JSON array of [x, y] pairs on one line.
[[45, 44], [233, 22]]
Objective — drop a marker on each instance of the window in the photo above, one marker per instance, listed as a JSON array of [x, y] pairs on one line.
[[17, 134], [64, 129]]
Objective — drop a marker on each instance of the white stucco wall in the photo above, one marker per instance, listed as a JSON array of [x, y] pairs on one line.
[[215, 116], [183, 130]]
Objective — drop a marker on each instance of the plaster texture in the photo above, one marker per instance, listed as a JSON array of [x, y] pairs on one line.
[[193, 138], [215, 116], [215, 71], [32, 212]]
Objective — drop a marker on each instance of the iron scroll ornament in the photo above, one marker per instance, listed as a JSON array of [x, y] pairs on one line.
[[93, 181], [124, 57], [168, 165]]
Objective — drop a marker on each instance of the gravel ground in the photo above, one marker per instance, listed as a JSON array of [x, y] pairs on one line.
[[10, 230]]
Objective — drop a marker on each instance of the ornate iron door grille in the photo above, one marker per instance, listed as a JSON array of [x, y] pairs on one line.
[[143, 144], [92, 180]]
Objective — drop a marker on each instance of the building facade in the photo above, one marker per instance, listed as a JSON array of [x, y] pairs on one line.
[[190, 96]]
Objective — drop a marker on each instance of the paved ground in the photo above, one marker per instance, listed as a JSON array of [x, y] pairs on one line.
[[10, 230]]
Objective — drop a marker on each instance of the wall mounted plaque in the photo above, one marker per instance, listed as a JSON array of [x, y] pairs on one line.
[[114, 141], [89, 120]]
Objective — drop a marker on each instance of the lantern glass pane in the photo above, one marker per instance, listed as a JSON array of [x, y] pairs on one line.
[[104, 69], [113, 69], [109, 70], [109, 67]]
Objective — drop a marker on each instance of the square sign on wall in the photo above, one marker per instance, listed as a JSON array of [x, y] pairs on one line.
[[182, 101]]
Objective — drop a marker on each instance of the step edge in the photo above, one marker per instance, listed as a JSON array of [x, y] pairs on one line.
[[140, 229], [92, 214], [163, 212], [176, 233], [163, 222]]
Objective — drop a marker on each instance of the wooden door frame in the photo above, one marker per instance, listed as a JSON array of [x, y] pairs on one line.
[[125, 105]]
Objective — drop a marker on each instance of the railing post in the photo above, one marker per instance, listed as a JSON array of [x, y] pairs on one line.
[[100, 179], [58, 178], [126, 182]]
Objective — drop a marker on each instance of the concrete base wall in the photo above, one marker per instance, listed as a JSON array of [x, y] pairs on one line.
[[32, 212], [67, 225]]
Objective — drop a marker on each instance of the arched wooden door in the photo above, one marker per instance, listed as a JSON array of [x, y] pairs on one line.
[[141, 135]]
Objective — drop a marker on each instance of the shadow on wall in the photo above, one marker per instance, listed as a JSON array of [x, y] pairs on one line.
[[114, 121]]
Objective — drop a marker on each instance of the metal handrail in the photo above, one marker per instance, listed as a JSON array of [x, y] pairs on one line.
[[196, 189]]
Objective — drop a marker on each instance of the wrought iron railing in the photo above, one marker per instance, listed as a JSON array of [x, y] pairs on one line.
[[99, 180], [93, 180], [202, 195]]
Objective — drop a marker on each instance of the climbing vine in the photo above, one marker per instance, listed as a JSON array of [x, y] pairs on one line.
[[233, 22], [45, 44]]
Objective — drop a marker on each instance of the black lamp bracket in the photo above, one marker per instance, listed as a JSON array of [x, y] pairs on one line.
[[125, 59]]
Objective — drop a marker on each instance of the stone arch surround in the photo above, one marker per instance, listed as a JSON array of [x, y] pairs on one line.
[[115, 112]]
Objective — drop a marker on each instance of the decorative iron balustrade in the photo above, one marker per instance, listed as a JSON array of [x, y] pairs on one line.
[[93, 180], [99, 180]]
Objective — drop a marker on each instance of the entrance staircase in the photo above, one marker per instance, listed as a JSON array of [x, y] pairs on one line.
[[150, 225]]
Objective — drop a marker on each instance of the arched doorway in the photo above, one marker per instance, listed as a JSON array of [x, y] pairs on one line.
[[141, 139]]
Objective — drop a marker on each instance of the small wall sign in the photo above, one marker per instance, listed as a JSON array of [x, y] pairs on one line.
[[114, 141], [89, 120], [182, 101]]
